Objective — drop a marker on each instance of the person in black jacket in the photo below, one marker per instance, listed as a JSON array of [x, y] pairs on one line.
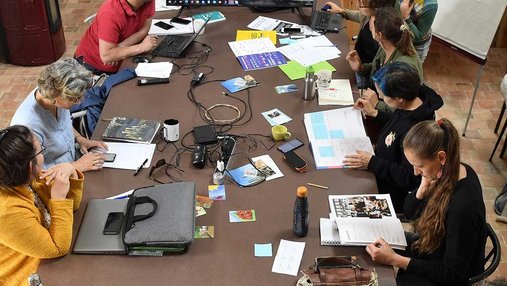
[[447, 212], [399, 85]]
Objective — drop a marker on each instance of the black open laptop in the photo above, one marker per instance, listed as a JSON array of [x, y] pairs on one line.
[[325, 21], [173, 46]]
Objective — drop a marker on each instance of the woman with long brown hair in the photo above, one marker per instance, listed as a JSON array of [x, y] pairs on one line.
[[447, 212]]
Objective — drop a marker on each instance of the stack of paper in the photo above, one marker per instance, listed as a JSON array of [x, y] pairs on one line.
[[338, 93], [361, 220], [311, 50], [256, 54], [334, 134]]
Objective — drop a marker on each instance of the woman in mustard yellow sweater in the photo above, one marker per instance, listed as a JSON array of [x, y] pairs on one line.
[[36, 206]]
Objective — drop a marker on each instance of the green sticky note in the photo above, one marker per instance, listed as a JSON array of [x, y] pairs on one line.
[[295, 70]]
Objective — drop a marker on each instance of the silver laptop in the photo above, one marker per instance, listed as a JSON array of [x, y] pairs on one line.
[[325, 21], [90, 239]]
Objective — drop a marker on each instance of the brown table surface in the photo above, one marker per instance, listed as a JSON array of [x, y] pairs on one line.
[[228, 259]]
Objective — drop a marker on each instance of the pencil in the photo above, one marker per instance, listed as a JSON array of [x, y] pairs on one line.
[[317, 186]]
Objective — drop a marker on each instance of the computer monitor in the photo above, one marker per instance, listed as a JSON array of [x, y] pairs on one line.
[[202, 3], [276, 3]]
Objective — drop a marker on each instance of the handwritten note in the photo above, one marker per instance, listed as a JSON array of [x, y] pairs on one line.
[[288, 257], [250, 35]]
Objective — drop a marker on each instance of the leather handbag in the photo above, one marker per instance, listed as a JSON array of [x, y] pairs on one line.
[[338, 271]]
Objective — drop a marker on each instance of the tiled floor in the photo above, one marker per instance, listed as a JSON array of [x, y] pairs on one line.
[[449, 73]]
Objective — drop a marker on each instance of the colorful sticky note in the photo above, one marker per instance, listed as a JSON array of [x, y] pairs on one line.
[[263, 250], [295, 70], [242, 35]]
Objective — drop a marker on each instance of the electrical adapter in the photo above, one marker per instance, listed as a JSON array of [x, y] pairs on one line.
[[198, 78]]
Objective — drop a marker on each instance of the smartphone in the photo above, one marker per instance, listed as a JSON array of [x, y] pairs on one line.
[[291, 145], [163, 25], [109, 157], [113, 223], [291, 30], [180, 21]]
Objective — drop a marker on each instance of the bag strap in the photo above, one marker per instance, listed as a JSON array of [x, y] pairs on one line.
[[131, 209]]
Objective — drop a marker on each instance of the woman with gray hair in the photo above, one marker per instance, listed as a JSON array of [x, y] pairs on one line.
[[46, 112]]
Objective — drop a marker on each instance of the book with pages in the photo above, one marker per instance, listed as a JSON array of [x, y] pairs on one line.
[[358, 220]]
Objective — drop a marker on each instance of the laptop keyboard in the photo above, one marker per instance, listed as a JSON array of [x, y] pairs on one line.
[[322, 20], [173, 45]]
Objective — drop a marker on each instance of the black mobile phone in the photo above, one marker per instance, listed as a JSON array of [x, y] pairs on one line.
[[113, 223], [291, 30], [180, 20], [291, 145], [109, 157], [163, 25]]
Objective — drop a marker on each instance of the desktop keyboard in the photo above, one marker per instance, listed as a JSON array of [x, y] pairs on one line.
[[322, 19]]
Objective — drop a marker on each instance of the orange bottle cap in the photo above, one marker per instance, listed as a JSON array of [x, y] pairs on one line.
[[302, 192]]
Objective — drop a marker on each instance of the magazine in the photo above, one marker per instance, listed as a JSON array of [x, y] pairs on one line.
[[131, 130], [361, 220]]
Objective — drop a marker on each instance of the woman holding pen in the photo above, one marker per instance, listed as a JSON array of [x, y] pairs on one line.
[[365, 46], [447, 212], [399, 85]]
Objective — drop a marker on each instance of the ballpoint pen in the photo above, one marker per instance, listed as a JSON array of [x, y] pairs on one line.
[[140, 167]]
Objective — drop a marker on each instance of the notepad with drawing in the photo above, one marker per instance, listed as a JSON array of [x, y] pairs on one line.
[[329, 232]]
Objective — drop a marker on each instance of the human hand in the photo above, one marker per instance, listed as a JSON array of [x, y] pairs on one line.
[[334, 8], [90, 161], [381, 252], [149, 43], [59, 176], [86, 144], [424, 187], [371, 96], [406, 7], [360, 160], [354, 61], [366, 107]]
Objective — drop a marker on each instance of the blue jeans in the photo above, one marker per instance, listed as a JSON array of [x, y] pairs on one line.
[[422, 50]]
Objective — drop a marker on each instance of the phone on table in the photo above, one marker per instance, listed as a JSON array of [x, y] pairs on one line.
[[113, 223], [109, 157], [292, 30], [291, 145], [163, 25], [180, 21]]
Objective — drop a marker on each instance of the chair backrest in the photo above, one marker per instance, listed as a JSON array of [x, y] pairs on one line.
[[493, 257]]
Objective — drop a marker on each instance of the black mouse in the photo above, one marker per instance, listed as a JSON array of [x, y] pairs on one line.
[[141, 59]]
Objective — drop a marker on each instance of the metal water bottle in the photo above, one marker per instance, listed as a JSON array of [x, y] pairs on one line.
[[309, 92], [301, 216]]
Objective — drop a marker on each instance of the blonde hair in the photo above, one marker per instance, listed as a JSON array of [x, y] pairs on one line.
[[65, 78]]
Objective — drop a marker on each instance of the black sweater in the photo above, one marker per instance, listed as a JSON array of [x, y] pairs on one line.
[[461, 251], [392, 170]]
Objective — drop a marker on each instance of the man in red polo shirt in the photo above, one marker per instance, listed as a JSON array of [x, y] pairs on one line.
[[120, 30]]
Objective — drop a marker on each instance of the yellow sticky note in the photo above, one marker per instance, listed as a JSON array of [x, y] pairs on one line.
[[242, 35]]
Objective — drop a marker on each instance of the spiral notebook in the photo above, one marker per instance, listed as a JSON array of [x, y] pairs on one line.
[[329, 232]]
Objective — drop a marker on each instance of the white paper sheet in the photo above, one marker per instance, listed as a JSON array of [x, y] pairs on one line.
[[288, 257], [250, 47], [338, 93], [271, 164], [311, 50], [160, 69], [129, 155]]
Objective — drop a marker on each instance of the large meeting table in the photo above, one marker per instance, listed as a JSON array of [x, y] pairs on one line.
[[227, 259]]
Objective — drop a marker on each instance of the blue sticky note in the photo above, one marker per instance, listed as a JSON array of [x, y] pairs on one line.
[[326, 152], [263, 250], [317, 118], [336, 134], [320, 132]]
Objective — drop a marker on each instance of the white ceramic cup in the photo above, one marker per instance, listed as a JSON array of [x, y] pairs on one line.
[[324, 78], [171, 130]]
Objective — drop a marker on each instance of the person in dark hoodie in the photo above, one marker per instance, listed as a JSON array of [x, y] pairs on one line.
[[399, 85]]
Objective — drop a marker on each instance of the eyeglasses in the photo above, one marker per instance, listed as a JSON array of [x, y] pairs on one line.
[[162, 163], [42, 150]]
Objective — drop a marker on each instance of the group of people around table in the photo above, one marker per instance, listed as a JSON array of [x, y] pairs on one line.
[[417, 159]]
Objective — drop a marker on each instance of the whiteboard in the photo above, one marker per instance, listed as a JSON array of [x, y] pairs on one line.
[[469, 24]]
